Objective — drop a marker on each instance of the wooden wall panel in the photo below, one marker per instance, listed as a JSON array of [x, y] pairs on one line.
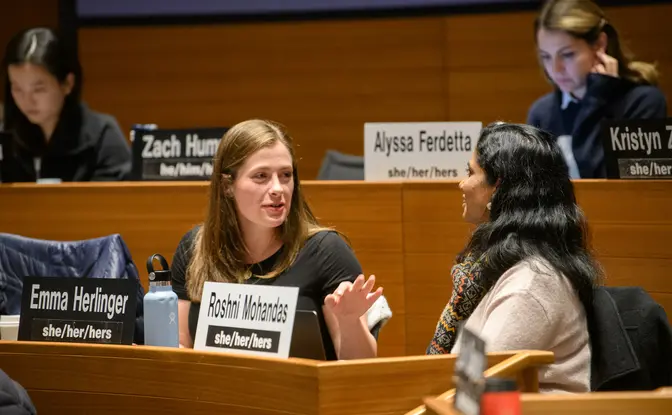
[[645, 29], [373, 226], [324, 79], [19, 15], [491, 67]]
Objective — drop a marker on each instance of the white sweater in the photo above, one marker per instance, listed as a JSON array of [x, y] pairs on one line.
[[531, 307]]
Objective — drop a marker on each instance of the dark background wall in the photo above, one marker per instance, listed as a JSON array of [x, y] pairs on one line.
[[325, 78]]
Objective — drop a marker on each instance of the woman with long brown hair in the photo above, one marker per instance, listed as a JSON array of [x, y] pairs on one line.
[[595, 78], [260, 230]]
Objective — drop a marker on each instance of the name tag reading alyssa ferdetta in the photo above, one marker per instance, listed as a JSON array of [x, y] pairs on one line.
[[248, 319], [418, 150], [85, 310]]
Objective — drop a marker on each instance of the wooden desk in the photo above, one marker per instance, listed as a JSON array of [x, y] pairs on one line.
[[85, 379], [599, 403], [517, 367], [630, 223], [153, 217], [407, 233]]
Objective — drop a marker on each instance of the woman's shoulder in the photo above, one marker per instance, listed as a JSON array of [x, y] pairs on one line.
[[187, 240], [534, 277], [650, 93], [543, 102], [184, 250], [96, 122], [328, 251], [624, 92], [326, 240], [541, 108], [185, 247], [103, 132]]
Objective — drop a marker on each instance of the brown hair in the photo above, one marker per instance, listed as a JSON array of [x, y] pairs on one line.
[[219, 250], [585, 20]]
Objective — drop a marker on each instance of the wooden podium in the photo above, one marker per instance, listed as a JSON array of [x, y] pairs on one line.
[[88, 378]]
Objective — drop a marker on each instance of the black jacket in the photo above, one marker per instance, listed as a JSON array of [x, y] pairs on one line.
[[85, 146], [607, 98], [631, 341], [13, 398]]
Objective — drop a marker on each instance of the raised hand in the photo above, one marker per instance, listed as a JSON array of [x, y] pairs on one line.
[[606, 65], [352, 300]]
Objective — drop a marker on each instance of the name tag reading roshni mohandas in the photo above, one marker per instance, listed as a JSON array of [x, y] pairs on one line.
[[244, 318]]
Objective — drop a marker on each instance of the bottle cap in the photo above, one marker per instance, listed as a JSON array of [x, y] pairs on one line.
[[500, 385], [158, 277]]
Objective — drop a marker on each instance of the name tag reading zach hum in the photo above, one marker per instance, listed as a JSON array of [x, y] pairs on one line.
[[182, 154], [247, 319]]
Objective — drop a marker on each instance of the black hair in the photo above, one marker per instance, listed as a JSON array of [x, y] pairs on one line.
[[40, 46], [534, 212]]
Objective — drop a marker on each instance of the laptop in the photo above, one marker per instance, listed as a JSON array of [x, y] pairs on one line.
[[307, 336]]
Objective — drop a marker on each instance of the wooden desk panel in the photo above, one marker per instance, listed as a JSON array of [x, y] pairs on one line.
[[153, 217], [73, 376], [85, 403], [629, 221], [407, 234], [599, 403]]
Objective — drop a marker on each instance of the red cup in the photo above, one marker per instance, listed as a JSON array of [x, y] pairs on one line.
[[500, 397]]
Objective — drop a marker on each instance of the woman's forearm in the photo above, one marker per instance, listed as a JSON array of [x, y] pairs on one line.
[[354, 340]]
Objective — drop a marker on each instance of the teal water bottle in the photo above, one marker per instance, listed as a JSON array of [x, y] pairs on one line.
[[160, 307]]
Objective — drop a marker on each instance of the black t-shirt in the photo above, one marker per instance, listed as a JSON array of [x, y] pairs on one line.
[[322, 264]]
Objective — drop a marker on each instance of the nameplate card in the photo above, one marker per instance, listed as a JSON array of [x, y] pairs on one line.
[[248, 319], [638, 149], [80, 310], [165, 155], [418, 151], [469, 377]]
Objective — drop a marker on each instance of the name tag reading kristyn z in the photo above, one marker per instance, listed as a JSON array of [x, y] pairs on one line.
[[242, 318], [638, 149], [78, 310]]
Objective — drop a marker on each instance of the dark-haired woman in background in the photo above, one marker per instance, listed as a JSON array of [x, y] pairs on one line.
[[525, 278], [595, 79], [53, 134]]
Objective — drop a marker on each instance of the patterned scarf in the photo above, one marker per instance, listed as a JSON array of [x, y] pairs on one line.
[[468, 291]]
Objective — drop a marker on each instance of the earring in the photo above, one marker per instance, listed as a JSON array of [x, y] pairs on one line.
[[489, 206]]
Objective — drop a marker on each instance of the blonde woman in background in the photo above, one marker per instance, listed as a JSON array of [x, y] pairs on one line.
[[595, 78]]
